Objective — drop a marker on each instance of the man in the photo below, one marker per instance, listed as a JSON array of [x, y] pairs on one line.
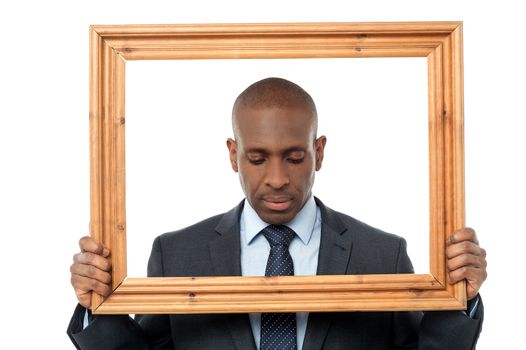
[[276, 152]]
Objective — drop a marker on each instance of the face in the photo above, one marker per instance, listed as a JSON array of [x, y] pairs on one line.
[[276, 155]]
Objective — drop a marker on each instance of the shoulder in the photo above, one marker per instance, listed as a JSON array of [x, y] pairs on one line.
[[202, 231], [359, 230], [373, 250], [363, 231], [192, 235], [186, 252]]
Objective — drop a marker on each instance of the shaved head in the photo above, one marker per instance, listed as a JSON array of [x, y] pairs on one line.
[[274, 93], [275, 150]]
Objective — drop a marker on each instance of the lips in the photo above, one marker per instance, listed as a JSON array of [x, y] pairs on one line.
[[277, 203]]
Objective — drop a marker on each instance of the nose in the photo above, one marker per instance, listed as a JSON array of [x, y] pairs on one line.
[[276, 175]]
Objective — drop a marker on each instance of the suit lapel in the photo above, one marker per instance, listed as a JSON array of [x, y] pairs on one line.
[[225, 249], [225, 253], [335, 245], [333, 259]]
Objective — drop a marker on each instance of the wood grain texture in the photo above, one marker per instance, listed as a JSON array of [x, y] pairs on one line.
[[112, 45]]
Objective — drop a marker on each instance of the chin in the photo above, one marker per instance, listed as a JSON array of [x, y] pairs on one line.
[[278, 218]]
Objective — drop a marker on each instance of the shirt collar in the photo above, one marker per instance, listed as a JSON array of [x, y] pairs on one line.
[[302, 224]]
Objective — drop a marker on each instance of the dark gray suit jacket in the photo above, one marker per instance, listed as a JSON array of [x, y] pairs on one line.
[[212, 248]]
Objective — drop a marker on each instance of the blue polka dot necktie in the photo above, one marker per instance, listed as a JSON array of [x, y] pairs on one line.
[[278, 330]]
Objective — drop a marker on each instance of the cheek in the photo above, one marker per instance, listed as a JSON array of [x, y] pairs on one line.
[[308, 181], [250, 179], [304, 175]]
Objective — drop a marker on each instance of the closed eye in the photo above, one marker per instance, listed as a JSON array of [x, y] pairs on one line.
[[256, 161], [296, 160], [296, 157]]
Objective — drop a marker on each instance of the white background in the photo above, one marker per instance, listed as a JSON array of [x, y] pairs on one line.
[[374, 113], [44, 185]]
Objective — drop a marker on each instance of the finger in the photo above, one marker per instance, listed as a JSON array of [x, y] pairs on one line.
[[83, 284], [473, 275], [87, 258], [473, 283], [90, 271], [472, 292], [464, 234], [88, 244], [465, 247], [84, 298], [466, 260]]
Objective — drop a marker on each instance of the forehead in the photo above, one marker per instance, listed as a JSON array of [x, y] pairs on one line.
[[274, 126]]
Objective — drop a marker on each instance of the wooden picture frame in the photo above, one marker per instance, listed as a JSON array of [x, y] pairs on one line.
[[110, 48]]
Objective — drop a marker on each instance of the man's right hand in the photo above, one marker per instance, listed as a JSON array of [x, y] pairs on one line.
[[90, 271]]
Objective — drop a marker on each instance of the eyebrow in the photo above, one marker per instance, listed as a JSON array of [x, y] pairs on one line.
[[257, 150], [266, 152]]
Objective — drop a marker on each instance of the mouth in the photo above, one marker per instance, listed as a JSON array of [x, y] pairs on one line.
[[277, 203]]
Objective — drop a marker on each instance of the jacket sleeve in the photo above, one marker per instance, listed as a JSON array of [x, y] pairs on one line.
[[121, 331], [105, 332], [450, 329], [437, 329]]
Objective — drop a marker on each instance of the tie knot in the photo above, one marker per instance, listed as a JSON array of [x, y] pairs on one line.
[[278, 235]]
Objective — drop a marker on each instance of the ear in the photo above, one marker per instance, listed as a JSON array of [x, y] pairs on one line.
[[319, 145], [232, 151]]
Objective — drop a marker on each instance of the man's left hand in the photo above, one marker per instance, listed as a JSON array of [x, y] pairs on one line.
[[466, 260]]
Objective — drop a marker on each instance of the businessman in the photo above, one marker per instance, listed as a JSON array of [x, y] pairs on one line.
[[280, 228]]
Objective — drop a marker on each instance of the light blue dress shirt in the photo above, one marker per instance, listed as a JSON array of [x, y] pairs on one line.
[[303, 248]]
